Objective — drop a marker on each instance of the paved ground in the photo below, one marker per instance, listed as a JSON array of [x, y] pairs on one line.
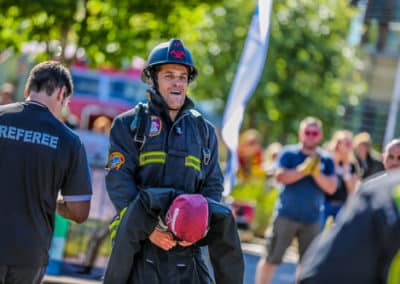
[[284, 273], [253, 251]]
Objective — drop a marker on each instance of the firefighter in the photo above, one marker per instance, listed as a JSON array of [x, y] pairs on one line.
[[164, 143]]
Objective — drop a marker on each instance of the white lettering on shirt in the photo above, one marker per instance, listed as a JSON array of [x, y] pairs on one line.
[[11, 132], [3, 131], [28, 136]]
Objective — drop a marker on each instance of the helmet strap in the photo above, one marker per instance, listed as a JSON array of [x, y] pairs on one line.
[[153, 76]]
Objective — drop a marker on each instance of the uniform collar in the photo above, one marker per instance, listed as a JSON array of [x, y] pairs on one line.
[[36, 103]]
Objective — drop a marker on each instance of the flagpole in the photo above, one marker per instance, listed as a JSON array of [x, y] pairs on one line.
[[246, 79], [394, 107]]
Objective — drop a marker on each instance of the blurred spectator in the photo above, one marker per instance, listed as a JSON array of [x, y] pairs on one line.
[[346, 170], [368, 160], [391, 155], [250, 155], [270, 157], [102, 124], [306, 172], [363, 246], [7, 94]]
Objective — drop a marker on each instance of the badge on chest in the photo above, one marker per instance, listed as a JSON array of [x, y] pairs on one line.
[[155, 126]]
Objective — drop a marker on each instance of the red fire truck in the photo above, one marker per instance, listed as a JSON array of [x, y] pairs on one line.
[[105, 92]]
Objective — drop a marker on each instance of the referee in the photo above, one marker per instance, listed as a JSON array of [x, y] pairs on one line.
[[40, 157]]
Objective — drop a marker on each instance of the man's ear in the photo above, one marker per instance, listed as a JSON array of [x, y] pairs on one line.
[[60, 93]]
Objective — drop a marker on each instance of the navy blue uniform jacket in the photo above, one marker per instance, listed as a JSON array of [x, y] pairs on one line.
[[172, 155], [134, 259]]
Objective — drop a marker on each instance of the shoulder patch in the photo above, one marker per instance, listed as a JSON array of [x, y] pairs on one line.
[[194, 112], [155, 126], [115, 161]]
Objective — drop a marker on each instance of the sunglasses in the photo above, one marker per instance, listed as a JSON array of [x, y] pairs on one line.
[[311, 133]]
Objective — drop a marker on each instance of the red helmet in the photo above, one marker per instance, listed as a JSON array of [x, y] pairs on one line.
[[172, 51]]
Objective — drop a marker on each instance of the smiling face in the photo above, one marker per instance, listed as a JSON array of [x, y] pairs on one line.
[[342, 145], [310, 135], [173, 83]]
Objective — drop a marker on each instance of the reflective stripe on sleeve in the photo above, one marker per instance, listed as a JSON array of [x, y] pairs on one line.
[[192, 161], [152, 157]]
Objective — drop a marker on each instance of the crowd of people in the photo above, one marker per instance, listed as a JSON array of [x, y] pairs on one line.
[[315, 184], [164, 179]]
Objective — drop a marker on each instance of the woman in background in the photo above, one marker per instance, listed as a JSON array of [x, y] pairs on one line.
[[346, 171]]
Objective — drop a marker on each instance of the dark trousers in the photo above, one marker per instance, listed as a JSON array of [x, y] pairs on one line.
[[21, 275]]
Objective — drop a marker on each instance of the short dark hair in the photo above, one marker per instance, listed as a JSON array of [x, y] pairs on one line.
[[156, 68], [48, 76]]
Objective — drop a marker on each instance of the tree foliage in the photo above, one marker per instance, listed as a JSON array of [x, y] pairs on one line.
[[110, 32], [310, 68]]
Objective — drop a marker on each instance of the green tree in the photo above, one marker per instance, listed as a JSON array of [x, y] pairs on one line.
[[110, 32], [310, 68]]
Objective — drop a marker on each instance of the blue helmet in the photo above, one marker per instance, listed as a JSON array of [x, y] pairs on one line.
[[172, 51]]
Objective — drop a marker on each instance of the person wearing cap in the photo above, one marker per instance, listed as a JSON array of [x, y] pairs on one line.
[[368, 161], [164, 143], [188, 218]]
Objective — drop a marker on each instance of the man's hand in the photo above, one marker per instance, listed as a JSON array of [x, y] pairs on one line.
[[308, 166], [77, 211], [162, 239], [316, 166], [185, 244]]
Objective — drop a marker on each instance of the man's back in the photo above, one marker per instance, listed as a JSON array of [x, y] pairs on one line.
[[38, 154]]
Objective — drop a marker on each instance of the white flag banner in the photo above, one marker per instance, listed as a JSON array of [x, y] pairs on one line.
[[245, 82]]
